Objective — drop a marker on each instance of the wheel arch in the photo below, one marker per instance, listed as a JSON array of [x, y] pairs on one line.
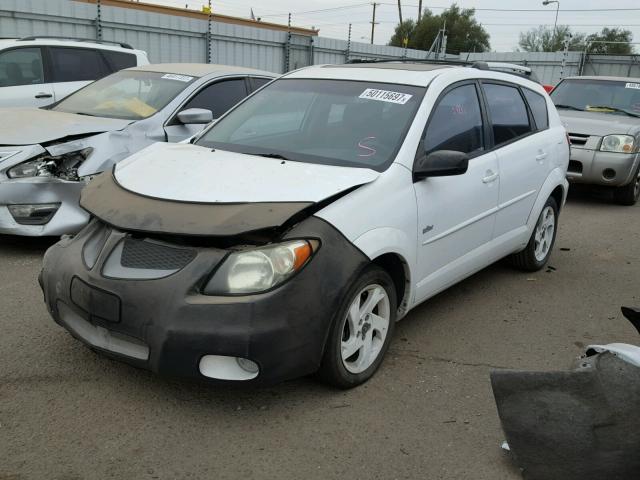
[[393, 250], [556, 186]]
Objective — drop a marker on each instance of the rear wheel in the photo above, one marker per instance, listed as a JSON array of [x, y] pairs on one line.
[[361, 331], [537, 252], [629, 194]]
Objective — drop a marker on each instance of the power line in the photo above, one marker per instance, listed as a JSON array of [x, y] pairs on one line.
[[322, 10], [528, 9]]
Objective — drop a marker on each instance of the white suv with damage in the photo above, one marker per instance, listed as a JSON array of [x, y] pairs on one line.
[[290, 235]]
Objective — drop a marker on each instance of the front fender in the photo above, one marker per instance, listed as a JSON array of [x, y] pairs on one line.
[[380, 241]]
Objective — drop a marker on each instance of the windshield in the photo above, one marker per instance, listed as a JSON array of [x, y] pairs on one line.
[[597, 95], [335, 122], [130, 95]]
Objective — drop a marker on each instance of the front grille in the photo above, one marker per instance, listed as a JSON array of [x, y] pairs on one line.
[[578, 139], [143, 254]]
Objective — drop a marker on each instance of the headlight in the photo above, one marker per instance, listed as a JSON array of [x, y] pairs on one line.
[[64, 166], [260, 269], [617, 143]]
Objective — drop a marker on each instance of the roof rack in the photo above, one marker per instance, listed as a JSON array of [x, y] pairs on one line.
[[91, 40], [511, 68]]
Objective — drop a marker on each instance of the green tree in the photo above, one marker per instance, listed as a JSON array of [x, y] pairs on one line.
[[464, 33], [545, 39], [611, 35]]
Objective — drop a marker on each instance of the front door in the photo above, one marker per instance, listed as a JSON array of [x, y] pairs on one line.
[[456, 214], [22, 80], [217, 97]]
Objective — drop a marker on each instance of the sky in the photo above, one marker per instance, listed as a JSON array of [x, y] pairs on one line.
[[332, 17]]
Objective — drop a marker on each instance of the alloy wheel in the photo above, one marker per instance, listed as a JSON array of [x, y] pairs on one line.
[[545, 230], [365, 328]]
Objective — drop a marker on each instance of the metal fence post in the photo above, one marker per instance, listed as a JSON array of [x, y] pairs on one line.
[[287, 47], [209, 50], [98, 20], [348, 50]]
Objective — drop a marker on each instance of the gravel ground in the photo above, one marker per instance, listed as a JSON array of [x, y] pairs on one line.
[[67, 413]]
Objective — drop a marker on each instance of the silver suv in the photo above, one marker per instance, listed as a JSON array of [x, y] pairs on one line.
[[602, 116]]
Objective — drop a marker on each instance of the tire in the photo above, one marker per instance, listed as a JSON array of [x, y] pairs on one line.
[[378, 328], [537, 252], [629, 194]]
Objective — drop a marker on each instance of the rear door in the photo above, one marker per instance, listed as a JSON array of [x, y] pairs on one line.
[[218, 97], [522, 150], [456, 214], [72, 68], [23, 82]]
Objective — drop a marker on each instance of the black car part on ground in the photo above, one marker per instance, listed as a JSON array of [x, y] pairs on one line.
[[283, 330], [576, 424]]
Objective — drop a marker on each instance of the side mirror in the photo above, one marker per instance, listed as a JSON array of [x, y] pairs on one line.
[[195, 115], [441, 163]]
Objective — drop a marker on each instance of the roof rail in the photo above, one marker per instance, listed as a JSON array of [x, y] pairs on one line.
[[510, 68], [91, 40]]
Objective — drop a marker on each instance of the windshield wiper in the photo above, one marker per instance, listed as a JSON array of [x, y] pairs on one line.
[[569, 107], [86, 114], [615, 109], [268, 155]]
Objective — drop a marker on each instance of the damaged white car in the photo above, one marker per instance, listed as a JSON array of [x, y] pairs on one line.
[[48, 155]]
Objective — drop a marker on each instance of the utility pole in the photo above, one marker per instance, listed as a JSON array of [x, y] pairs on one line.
[[400, 11], [373, 21], [419, 10]]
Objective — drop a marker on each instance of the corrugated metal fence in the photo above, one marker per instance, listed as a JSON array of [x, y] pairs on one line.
[[168, 38]]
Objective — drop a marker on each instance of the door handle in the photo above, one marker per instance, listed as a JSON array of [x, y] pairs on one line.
[[44, 95], [491, 177], [540, 157]]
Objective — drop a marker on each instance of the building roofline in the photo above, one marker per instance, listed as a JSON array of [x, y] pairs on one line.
[[183, 12]]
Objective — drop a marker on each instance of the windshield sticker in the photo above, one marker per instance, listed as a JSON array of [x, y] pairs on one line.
[[180, 78], [385, 96], [633, 85]]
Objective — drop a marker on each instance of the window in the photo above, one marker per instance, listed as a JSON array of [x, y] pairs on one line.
[[334, 122], [119, 60], [219, 97], [127, 94], [509, 117], [456, 123], [538, 105], [76, 64], [603, 96], [21, 66], [256, 83]]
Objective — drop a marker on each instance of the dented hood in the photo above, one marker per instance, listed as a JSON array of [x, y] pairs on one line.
[[29, 126], [189, 173], [191, 190]]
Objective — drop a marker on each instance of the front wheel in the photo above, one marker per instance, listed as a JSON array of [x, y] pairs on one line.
[[629, 194], [537, 252], [361, 331]]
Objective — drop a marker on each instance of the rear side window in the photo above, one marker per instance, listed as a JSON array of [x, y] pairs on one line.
[[76, 64], [508, 112], [219, 97], [256, 83], [119, 60], [22, 66], [456, 123], [538, 106]]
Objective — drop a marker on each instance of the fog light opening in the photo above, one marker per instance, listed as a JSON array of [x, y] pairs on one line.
[[221, 367], [36, 214], [609, 174]]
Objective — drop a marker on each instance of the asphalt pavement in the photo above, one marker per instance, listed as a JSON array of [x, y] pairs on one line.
[[67, 413]]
